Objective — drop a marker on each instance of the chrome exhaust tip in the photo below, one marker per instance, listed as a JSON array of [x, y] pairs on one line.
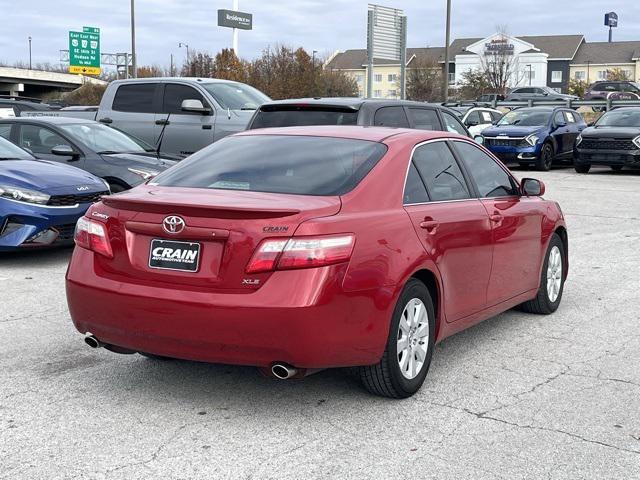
[[92, 341], [283, 371]]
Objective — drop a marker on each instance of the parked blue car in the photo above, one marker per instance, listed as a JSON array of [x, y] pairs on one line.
[[40, 201], [536, 135]]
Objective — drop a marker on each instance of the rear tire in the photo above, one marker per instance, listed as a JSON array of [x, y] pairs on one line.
[[400, 374], [545, 159], [549, 294], [582, 168]]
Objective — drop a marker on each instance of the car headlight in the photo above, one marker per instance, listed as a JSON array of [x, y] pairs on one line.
[[532, 140], [23, 195], [636, 141], [145, 174], [579, 140]]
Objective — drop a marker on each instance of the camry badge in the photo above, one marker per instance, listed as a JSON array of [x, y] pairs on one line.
[[173, 224]]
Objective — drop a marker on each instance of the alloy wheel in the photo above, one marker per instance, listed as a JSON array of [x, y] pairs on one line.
[[413, 338], [554, 274]]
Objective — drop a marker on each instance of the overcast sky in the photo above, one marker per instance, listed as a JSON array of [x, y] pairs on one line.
[[322, 25]]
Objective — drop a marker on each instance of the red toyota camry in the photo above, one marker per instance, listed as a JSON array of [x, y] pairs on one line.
[[299, 249]]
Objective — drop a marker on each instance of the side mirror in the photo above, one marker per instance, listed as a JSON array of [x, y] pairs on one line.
[[65, 151], [561, 124], [591, 124], [479, 139], [471, 123], [546, 94], [532, 187], [193, 105]]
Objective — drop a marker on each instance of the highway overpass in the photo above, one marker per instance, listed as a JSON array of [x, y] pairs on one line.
[[35, 83]]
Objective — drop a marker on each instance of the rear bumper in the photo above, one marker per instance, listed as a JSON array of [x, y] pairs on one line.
[[21, 222], [629, 158], [299, 317]]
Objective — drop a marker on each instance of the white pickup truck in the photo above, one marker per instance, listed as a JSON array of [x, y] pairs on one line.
[[177, 115]]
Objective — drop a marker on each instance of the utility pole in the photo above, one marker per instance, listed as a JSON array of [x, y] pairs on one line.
[[29, 52], [134, 59], [445, 80], [180, 45], [235, 30]]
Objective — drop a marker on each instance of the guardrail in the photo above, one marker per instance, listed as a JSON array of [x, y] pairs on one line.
[[607, 104]]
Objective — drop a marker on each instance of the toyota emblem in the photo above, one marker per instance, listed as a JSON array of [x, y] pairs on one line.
[[173, 224]]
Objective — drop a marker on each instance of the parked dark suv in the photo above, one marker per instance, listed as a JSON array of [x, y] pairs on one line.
[[356, 111], [622, 90], [613, 141]]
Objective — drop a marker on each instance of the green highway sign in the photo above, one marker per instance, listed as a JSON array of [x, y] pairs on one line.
[[84, 51]]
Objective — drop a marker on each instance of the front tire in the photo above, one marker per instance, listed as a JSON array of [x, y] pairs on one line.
[[545, 159], [582, 168], [407, 356], [552, 279]]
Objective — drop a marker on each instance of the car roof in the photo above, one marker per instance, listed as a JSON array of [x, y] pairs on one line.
[[175, 79], [373, 134], [353, 102], [49, 120]]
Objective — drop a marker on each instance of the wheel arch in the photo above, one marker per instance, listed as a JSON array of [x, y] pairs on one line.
[[562, 233], [430, 280]]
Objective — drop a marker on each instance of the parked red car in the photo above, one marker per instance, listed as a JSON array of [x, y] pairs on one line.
[[303, 248]]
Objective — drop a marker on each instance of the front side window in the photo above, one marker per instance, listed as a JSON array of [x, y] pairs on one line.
[[39, 139], [5, 130], [452, 124], [101, 138], [278, 164], [175, 94], [440, 172], [136, 97], [391, 117], [489, 177], [473, 118], [9, 151]]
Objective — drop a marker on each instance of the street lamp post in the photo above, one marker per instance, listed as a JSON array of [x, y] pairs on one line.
[[134, 58], [29, 52], [180, 45], [445, 80]]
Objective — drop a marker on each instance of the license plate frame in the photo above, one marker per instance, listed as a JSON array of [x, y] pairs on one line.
[[179, 262]]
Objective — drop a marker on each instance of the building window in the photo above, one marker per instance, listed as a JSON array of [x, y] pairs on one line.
[[392, 77], [359, 78], [580, 75], [556, 76], [377, 93], [452, 78], [529, 74], [392, 94], [377, 77], [602, 74]]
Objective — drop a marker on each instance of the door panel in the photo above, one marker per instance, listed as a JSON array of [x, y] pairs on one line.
[[457, 235], [517, 233]]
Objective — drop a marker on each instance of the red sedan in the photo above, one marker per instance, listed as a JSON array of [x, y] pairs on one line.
[[298, 249]]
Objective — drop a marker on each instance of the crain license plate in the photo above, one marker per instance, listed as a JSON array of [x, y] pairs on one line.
[[171, 255]]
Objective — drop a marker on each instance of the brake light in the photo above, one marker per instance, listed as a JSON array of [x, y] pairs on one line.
[[301, 252], [92, 235]]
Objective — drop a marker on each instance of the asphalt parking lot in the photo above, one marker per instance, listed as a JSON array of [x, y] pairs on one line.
[[517, 397]]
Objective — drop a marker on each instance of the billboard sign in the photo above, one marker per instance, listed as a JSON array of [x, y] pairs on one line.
[[84, 51], [232, 19], [611, 19]]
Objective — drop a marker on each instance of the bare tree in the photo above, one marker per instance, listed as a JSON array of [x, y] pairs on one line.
[[424, 81]]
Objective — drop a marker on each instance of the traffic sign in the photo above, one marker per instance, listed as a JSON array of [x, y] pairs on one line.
[[84, 51]]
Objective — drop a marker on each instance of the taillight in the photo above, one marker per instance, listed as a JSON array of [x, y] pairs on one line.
[[301, 252], [93, 236]]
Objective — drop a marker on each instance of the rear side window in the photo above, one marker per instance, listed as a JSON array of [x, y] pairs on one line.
[[391, 117], [301, 116], [452, 124], [174, 94], [414, 189], [135, 98], [424, 119], [440, 172], [278, 164], [5, 130]]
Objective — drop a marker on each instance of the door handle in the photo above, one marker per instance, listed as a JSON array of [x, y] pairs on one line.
[[496, 218], [106, 120], [429, 225], [164, 121]]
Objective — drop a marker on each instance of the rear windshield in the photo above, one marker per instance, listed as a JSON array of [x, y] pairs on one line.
[[300, 116], [278, 164]]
